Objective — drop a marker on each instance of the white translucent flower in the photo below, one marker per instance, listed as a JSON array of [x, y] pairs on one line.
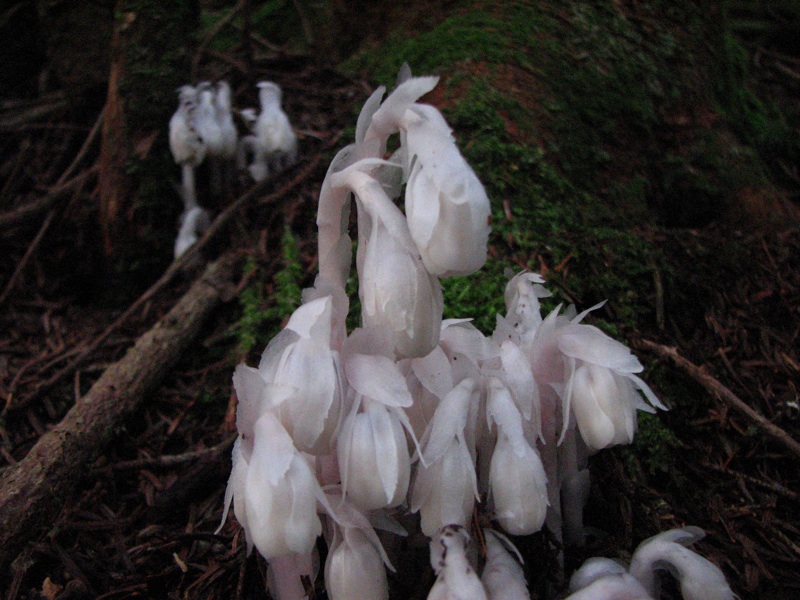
[[523, 315], [446, 487], [274, 491], [208, 125], [372, 448], [447, 207], [455, 574], [194, 223], [502, 574], [612, 587], [276, 139], [355, 564], [299, 378], [601, 388], [593, 569], [224, 117], [698, 577], [185, 142], [396, 291], [518, 482]]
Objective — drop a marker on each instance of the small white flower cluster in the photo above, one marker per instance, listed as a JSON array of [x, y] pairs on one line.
[[410, 413], [203, 130]]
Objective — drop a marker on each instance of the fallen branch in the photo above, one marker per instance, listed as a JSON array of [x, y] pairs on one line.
[[34, 490], [715, 388]]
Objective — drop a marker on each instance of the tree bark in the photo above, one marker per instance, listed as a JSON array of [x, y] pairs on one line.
[[150, 58], [34, 490]]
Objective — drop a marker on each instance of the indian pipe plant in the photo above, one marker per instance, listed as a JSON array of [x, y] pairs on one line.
[[340, 432]]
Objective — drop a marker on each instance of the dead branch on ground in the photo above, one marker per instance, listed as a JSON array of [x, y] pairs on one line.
[[33, 490], [718, 390]]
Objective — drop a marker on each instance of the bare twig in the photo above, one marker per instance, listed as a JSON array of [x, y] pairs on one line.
[[28, 253], [715, 388], [84, 149], [172, 460]]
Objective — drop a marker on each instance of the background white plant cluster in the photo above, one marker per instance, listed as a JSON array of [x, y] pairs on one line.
[[413, 414]]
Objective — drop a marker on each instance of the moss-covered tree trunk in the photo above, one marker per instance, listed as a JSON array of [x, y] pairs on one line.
[[150, 58]]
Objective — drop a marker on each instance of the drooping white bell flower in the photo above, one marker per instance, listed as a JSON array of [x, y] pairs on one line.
[[447, 207], [355, 564], [372, 448], [300, 377], [699, 578], [612, 587], [446, 487], [194, 223], [207, 124], [186, 144], [601, 388], [593, 569], [224, 116], [518, 482], [275, 492], [276, 138], [502, 574], [396, 291], [455, 574]]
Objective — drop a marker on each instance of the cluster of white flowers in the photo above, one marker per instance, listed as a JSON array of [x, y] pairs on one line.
[[410, 412], [202, 129]]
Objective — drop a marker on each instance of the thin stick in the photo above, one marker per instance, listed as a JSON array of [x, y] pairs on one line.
[[715, 388], [84, 149], [28, 253], [171, 460]]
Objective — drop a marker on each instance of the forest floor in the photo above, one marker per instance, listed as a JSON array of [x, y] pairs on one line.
[[141, 522]]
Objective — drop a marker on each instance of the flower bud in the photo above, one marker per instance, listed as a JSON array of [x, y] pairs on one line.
[[280, 494], [502, 575], [354, 569], [455, 575], [373, 458], [447, 207], [602, 407], [517, 479], [446, 486], [698, 577], [396, 291]]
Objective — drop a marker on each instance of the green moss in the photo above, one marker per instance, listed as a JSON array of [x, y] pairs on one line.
[[654, 452], [262, 313]]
